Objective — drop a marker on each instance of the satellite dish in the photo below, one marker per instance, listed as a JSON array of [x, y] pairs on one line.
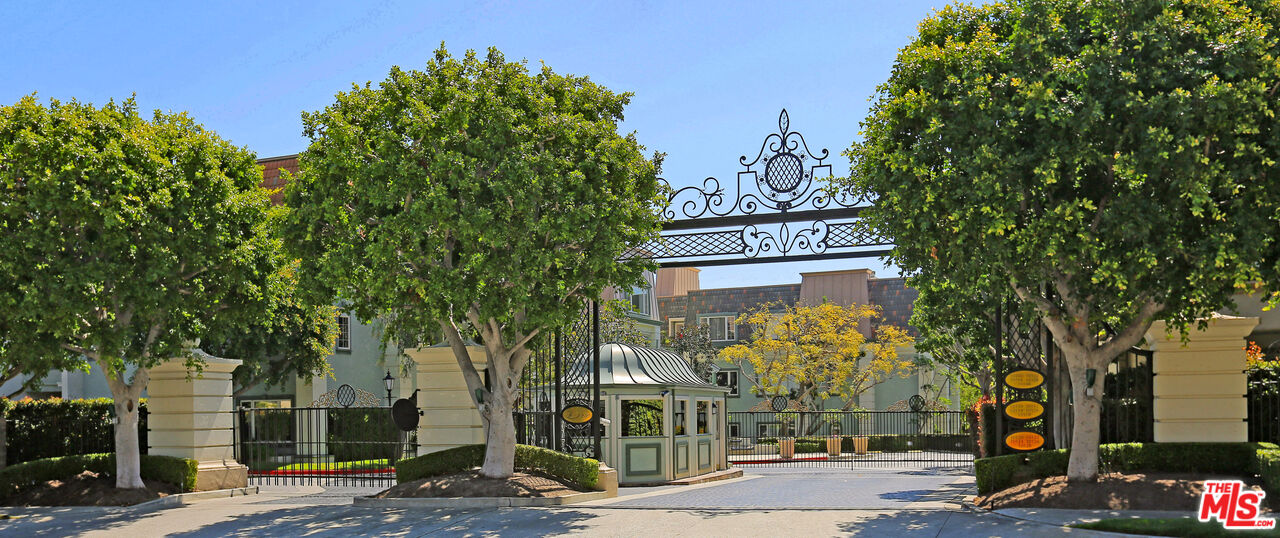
[[405, 414]]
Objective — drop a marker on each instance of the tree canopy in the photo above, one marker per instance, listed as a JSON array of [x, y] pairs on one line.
[[124, 240], [818, 351], [1110, 163], [473, 195]]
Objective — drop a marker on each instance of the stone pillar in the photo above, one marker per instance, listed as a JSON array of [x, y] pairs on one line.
[[1200, 386], [194, 418], [449, 417]]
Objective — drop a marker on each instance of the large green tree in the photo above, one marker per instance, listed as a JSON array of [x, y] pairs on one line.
[[1110, 163], [123, 240], [477, 198]]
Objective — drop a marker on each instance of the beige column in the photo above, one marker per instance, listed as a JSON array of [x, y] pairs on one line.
[[312, 424], [191, 415], [450, 417], [1200, 385]]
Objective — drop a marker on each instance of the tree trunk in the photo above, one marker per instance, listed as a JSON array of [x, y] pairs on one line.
[[1087, 416], [128, 453], [500, 438]]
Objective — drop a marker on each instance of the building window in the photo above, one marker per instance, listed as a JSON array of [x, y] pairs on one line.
[[728, 378], [344, 332], [722, 329], [642, 418], [640, 299], [677, 326]]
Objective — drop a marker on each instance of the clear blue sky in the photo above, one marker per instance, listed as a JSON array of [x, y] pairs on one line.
[[709, 79]]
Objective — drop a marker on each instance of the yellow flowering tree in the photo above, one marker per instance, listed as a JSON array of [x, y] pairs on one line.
[[818, 351]]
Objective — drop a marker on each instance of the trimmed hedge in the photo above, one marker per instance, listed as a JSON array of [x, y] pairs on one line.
[[1000, 472], [583, 472], [85, 426], [177, 471]]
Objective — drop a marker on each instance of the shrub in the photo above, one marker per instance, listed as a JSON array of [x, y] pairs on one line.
[[83, 426], [1000, 472], [176, 471], [581, 471], [1267, 465], [444, 462]]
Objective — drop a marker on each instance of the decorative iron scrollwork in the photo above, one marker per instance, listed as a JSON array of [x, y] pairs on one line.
[[784, 205], [792, 178]]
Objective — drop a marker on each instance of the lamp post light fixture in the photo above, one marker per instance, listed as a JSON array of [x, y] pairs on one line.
[[388, 381]]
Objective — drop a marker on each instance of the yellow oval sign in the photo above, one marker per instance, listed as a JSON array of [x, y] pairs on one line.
[[1023, 379], [1024, 440], [576, 414], [1023, 409]]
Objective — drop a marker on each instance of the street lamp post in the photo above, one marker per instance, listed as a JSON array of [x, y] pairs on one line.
[[388, 381]]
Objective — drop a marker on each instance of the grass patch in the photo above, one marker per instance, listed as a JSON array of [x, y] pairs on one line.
[[360, 465], [1177, 526]]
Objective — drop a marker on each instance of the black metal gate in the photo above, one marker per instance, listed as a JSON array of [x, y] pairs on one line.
[[563, 371], [1128, 399], [332, 446], [851, 439]]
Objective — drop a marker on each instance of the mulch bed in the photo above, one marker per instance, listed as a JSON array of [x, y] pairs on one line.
[[1154, 491], [471, 484], [87, 489]]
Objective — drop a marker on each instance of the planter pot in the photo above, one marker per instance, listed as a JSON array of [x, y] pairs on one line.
[[860, 445], [787, 447], [833, 445]]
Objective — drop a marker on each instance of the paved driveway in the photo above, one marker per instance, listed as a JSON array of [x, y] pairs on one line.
[[888, 504], [809, 488]]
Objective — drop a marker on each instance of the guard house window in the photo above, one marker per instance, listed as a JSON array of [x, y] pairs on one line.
[[677, 326], [640, 300], [728, 378], [642, 418], [722, 329], [344, 332], [703, 409], [678, 418]]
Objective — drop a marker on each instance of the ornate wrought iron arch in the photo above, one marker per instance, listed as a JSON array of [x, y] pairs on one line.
[[783, 208]]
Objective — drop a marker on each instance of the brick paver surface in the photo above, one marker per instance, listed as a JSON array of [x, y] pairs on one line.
[[813, 488]]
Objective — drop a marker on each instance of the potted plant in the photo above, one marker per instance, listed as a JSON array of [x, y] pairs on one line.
[[786, 443], [861, 443], [832, 419]]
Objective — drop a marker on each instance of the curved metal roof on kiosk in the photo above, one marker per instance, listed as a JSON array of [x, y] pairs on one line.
[[621, 364]]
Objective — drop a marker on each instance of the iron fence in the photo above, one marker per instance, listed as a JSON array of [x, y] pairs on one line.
[[335, 446], [851, 439], [1128, 410]]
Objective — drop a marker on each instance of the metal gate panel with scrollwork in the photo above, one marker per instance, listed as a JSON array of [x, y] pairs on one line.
[[783, 208], [1127, 414], [562, 372], [341, 440]]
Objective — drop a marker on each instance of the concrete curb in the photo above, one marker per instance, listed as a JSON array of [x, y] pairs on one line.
[[181, 499], [478, 502]]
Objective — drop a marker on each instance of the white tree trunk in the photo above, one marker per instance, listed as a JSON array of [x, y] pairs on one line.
[[128, 454], [500, 438], [1086, 411]]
